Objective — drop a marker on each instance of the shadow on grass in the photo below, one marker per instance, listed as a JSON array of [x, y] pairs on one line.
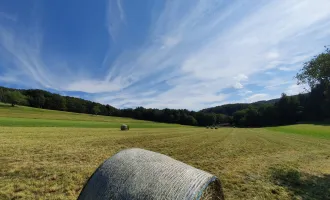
[[303, 185]]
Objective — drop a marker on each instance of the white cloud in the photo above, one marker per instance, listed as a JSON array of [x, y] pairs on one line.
[[244, 92], [276, 83], [257, 97], [198, 48], [295, 89], [241, 77], [272, 55], [170, 42], [206, 49], [23, 63], [238, 85], [92, 86], [286, 69], [240, 49]]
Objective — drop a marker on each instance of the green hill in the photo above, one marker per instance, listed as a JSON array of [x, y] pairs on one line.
[[21, 116]]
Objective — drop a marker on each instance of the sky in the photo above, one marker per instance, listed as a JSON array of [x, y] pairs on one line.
[[190, 54]]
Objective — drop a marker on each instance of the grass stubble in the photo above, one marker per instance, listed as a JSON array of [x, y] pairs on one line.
[[55, 162]]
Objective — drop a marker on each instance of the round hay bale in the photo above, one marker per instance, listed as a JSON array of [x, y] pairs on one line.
[[144, 175], [123, 127]]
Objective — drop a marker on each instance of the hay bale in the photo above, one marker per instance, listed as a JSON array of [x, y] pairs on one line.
[[142, 175], [207, 127], [123, 127]]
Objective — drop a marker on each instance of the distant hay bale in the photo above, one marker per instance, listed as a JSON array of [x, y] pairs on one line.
[[216, 127], [207, 127], [144, 175], [124, 127]]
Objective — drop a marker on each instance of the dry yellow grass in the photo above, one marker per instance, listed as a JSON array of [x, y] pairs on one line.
[[54, 163]]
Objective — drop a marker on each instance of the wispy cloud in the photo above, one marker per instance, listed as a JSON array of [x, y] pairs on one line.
[[23, 63], [121, 11], [214, 41], [115, 18], [193, 53], [22, 53], [7, 16]]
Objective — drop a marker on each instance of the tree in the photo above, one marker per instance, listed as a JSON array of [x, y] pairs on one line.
[[37, 100], [55, 102], [206, 119], [96, 109], [316, 71], [2, 94], [268, 115], [239, 118], [188, 120], [288, 109], [14, 97], [252, 117], [109, 109], [75, 105]]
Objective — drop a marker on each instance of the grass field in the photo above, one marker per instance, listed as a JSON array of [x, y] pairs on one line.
[[33, 117], [290, 162]]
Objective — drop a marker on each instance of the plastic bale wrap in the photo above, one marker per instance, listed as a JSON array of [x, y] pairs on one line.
[[138, 174], [123, 127]]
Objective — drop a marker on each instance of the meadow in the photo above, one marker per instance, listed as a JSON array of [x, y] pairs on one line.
[[50, 154]]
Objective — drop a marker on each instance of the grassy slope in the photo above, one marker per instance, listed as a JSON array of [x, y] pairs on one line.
[[21, 116], [320, 131], [54, 162]]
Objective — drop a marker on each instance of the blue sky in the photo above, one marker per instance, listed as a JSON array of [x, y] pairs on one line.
[[178, 54]]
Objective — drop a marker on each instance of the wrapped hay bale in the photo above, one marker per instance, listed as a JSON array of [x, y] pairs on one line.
[[123, 127], [144, 175]]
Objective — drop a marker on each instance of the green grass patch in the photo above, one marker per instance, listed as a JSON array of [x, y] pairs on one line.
[[26, 122], [318, 131], [36, 113]]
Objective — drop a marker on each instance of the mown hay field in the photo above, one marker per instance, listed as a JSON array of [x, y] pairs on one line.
[[287, 162], [21, 116]]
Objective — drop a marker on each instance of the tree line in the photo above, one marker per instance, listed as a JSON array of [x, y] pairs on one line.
[[47, 100], [312, 106]]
